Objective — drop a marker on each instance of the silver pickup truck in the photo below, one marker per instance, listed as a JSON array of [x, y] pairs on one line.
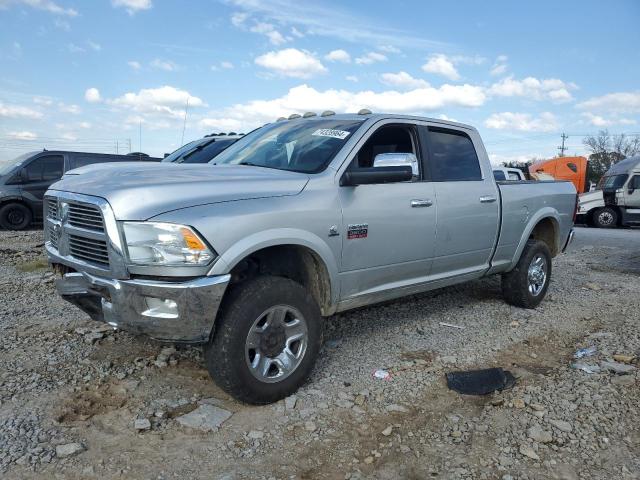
[[296, 221]]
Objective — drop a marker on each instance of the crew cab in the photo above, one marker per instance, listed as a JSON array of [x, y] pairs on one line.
[[296, 221]]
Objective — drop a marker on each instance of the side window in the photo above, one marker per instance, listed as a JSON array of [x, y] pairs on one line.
[[34, 170], [573, 167], [388, 139], [82, 161], [52, 167], [636, 182], [452, 156], [499, 175], [514, 176]]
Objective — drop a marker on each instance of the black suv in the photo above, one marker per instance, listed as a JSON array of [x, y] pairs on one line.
[[24, 180]]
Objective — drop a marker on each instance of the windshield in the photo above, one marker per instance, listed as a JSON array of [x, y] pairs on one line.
[[8, 167], [612, 182], [200, 151], [296, 145]]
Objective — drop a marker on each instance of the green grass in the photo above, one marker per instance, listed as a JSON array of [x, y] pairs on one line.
[[33, 265]]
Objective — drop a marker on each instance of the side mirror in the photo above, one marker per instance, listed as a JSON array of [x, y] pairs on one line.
[[368, 176], [397, 160], [631, 189]]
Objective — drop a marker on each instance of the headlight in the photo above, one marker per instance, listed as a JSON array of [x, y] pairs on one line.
[[161, 244]]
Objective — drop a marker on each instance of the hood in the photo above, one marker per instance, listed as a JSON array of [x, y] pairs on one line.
[[141, 190], [590, 200]]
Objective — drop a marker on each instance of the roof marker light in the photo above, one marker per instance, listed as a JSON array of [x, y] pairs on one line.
[[327, 113], [293, 116], [309, 115], [364, 111]]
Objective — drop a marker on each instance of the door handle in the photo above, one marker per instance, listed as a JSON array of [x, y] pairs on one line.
[[487, 199], [421, 203]]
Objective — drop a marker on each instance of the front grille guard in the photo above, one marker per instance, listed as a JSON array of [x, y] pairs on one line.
[[57, 231]]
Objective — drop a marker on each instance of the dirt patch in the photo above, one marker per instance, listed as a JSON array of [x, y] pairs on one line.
[[94, 400]]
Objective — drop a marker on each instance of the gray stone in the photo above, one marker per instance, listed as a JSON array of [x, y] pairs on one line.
[[142, 424], [537, 434], [205, 418], [69, 449], [561, 425], [290, 402], [395, 408], [616, 367], [255, 434], [529, 452]]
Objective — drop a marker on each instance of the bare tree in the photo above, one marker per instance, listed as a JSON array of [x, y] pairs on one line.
[[606, 150]]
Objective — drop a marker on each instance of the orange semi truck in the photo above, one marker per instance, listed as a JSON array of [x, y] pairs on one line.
[[573, 169]]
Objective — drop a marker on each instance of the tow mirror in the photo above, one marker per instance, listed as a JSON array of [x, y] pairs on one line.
[[397, 160], [367, 176]]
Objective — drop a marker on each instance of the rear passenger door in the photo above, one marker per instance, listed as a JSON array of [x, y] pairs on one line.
[[38, 176], [468, 202]]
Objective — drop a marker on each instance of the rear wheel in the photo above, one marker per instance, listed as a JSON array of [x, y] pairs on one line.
[[15, 216], [526, 285], [605, 217], [266, 341]]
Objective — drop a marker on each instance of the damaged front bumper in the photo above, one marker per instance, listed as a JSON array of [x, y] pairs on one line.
[[169, 311]]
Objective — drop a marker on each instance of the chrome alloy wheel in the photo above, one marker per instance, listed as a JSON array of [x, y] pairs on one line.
[[537, 275], [605, 218], [276, 343]]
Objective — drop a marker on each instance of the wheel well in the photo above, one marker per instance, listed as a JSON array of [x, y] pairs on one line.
[[20, 201], [547, 231], [298, 263]]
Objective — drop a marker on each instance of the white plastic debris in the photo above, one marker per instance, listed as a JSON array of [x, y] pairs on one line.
[[451, 325], [381, 374]]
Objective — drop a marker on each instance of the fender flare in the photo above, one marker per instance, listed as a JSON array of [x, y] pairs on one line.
[[542, 214], [279, 237]]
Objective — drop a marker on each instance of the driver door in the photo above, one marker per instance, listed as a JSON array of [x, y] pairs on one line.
[[388, 230]]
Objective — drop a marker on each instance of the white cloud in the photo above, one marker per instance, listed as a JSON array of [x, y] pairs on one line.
[[524, 122], [92, 95], [403, 80], [73, 109], [468, 59], [18, 111], [599, 121], [45, 5], [500, 159], [352, 78], [440, 65], [296, 33], [338, 56], [226, 65], [73, 48], [96, 47], [371, 57], [22, 135], [164, 101], [134, 64], [165, 65], [291, 62], [269, 30], [132, 6], [69, 136], [389, 49], [533, 88], [238, 19], [620, 102], [84, 125], [499, 66], [304, 98], [46, 101]]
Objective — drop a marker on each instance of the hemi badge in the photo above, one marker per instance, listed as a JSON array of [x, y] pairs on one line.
[[357, 230]]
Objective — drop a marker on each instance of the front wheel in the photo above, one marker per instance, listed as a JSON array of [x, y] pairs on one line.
[[526, 285], [266, 340], [605, 217]]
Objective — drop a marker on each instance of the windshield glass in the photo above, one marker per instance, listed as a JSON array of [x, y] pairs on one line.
[[8, 167], [296, 145], [612, 182], [200, 151]]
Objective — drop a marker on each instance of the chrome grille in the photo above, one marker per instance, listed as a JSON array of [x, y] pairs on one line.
[[52, 208], [89, 249], [53, 236], [85, 216]]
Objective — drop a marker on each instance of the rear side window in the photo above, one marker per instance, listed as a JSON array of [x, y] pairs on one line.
[[45, 168], [499, 175], [514, 176], [452, 156]]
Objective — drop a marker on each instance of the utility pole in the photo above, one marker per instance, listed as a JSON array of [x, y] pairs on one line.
[[140, 137], [563, 148], [117, 147], [129, 142], [184, 125]]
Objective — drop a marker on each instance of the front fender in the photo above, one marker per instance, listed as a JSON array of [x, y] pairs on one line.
[[275, 237]]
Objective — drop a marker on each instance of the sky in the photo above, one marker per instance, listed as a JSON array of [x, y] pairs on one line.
[[120, 75]]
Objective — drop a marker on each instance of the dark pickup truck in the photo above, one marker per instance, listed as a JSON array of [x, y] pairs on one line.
[[24, 180]]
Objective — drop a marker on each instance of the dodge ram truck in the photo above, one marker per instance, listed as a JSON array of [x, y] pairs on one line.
[[298, 220]]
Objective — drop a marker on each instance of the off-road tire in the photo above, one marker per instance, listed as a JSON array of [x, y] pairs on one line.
[[515, 284], [605, 217], [15, 216], [225, 352]]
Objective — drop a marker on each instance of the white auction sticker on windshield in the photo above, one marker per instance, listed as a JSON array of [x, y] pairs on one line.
[[328, 132]]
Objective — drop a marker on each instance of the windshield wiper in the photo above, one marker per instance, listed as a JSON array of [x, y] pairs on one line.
[[251, 164]]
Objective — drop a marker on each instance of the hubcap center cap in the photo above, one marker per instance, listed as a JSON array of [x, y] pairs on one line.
[[273, 340]]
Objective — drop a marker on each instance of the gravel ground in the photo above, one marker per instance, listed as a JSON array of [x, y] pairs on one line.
[[78, 400]]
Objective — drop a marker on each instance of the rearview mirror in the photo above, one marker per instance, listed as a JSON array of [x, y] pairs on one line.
[[397, 160], [367, 176]]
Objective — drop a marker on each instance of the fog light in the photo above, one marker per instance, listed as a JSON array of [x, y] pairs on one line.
[[160, 308]]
